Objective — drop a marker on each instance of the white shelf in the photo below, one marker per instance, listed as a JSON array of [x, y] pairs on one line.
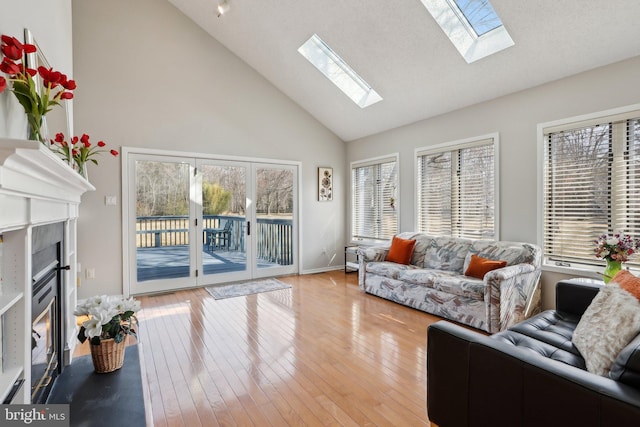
[[8, 300], [36, 188]]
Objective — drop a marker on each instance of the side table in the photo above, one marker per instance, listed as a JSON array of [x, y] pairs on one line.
[[351, 264]]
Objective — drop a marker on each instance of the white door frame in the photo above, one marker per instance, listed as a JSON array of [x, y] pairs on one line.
[[129, 273]]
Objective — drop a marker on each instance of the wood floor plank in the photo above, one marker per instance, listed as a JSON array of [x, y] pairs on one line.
[[321, 353]]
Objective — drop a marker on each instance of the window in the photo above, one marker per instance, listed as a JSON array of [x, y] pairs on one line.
[[374, 206], [339, 72], [473, 26], [591, 185], [457, 189]]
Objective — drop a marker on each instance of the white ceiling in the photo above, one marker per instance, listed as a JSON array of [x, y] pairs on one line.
[[398, 48]]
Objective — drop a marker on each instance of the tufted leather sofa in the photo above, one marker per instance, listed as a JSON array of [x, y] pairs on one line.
[[530, 374]]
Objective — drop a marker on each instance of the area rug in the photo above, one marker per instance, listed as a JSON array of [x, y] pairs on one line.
[[246, 288]]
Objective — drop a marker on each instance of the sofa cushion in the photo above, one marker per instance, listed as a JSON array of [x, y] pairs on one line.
[[447, 253], [479, 266], [540, 347], [445, 281], [512, 252], [423, 241], [626, 367], [551, 328], [610, 322], [400, 250], [387, 269]]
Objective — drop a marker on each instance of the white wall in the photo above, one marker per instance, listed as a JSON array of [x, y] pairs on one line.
[[50, 23], [515, 117], [149, 77]]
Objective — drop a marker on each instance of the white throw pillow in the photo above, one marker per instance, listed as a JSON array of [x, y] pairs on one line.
[[610, 322]]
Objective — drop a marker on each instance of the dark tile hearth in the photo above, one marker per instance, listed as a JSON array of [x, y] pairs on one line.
[[102, 399]]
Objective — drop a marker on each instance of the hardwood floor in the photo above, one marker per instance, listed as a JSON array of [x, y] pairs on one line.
[[320, 353]]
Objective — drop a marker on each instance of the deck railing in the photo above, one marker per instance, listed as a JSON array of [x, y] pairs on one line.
[[275, 236]]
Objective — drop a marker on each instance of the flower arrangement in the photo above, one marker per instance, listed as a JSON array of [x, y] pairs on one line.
[[79, 150], [109, 317], [56, 86], [616, 247]]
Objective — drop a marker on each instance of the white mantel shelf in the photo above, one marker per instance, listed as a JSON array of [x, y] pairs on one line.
[[36, 188], [30, 168]]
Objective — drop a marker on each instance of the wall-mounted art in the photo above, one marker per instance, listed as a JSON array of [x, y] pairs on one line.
[[325, 184]]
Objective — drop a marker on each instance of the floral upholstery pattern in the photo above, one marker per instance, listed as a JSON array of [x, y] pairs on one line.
[[434, 281]]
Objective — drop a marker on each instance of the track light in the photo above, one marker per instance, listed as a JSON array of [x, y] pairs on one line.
[[223, 7]]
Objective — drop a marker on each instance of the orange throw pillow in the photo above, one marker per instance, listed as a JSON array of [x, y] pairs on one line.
[[628, 282], [479, 266], [400, 251]]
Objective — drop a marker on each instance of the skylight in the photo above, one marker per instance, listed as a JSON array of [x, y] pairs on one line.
[[339, 72], [480, 15], [473, 26]]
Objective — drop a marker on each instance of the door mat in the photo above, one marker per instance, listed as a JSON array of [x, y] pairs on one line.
[[246, 288]]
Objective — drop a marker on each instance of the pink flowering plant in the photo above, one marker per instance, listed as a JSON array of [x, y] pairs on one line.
[[616, 246], [109, 317]]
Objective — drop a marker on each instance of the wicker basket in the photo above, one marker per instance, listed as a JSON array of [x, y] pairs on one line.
[[108, 356]]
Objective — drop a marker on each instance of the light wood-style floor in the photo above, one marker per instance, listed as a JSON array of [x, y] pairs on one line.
[[320, 353]]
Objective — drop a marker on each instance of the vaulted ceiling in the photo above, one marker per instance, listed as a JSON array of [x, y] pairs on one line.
[[398, 48]]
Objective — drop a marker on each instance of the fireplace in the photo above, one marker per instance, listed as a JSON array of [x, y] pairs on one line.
[[47, 308]]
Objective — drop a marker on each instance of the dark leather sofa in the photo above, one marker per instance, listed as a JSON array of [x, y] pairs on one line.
[[530, 374]]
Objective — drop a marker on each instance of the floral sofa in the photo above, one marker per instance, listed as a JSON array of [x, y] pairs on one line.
[[434, 281]]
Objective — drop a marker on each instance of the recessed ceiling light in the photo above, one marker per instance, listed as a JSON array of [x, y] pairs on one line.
[[339, 72]]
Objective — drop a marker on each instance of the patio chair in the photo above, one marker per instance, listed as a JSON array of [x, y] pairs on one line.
[[220, 237]]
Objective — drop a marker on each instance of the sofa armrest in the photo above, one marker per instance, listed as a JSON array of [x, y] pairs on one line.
[[370, 254], [573, 296], [373, 253], [482, 368], [509, 291]]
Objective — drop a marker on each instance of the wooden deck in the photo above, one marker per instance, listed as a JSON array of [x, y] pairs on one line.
[[168, 262]]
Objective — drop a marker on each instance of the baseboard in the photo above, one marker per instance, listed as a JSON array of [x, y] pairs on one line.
[[322, 269]]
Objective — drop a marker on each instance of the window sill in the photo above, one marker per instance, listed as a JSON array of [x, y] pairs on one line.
[[593, 272]]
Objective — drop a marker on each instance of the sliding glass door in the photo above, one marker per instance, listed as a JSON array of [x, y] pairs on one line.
[[197, 222]]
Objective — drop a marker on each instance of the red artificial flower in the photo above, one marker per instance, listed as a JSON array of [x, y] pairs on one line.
[[7, 39], [50, 78], [66, 95], [69, 84], [85, 140], [101, 144], [32, 72], [3, 84], [9, 67], [59, 137], [11, 52], [114, 153], [74, 140], [13, 49]]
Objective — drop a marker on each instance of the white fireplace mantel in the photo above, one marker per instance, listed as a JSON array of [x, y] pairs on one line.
[[36, 188]]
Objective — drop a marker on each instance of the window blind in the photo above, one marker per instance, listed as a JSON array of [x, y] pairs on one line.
[[456, 191], [374, 212], [591, 187]]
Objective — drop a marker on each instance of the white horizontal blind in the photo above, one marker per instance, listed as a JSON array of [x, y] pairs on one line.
[[476, 196], [629, 206], [456, 191], [374, 214], [591, 187], [435, 193]]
